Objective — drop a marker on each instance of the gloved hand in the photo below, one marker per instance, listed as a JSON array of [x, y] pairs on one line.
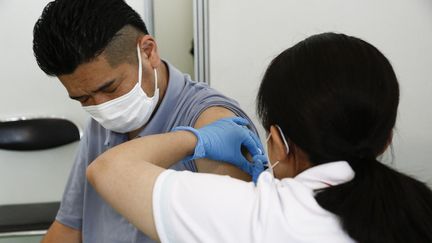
[[259, 164], [222, 140]]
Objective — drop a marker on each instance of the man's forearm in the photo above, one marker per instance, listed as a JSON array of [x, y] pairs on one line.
[[61, 233]]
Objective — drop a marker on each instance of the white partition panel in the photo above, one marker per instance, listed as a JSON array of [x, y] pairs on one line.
[[245, 35]]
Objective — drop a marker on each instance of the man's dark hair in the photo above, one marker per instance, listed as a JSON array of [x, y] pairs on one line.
[[70, 33], [336, 98]]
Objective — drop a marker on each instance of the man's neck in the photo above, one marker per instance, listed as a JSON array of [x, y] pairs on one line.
[[163, 78]]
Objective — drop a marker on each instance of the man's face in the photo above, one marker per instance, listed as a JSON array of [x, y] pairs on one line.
[[96, 82]]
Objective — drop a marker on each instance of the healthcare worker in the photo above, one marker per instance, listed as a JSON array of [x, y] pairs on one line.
[[329, 105], [105, 58]]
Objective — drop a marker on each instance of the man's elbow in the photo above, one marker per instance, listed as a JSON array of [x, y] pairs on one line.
[[90, 172], [96, 170]]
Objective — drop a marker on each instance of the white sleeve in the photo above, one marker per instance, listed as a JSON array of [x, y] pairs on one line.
[[196, 207]]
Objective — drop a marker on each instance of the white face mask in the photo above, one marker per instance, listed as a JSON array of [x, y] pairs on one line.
[[129, 111], [270, 165]]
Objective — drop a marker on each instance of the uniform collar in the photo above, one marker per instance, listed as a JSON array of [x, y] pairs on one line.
[[325, 175]]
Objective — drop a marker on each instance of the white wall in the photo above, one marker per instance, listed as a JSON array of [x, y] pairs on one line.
[[245, 35], [174, 32], [26, 91]]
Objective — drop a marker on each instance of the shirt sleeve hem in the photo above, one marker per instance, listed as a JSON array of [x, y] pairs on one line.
[[191, 164], [71, 223], [159, 206]]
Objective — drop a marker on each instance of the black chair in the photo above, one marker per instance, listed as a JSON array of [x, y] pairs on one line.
[[36, 134], [27, 219]]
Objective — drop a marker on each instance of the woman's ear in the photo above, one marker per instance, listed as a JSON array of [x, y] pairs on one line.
[[149, 51], [389, 141], [276, 145]]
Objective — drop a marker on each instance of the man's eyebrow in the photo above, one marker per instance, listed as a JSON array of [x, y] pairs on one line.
[[100, 88], [104, 86], [77, 97]]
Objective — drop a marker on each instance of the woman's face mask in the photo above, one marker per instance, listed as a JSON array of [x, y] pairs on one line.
[[273, 165], [128, 112]]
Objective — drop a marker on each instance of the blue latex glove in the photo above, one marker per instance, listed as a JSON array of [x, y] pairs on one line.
[[259, 164], [222, 140]]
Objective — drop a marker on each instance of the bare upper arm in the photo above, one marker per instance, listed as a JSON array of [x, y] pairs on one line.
[[210, 115], [59, 232]]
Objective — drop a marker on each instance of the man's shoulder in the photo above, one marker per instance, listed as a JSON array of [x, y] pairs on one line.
[[200, 86], [200, 91]]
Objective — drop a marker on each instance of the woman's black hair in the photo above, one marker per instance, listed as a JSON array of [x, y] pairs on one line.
[[336, 98]]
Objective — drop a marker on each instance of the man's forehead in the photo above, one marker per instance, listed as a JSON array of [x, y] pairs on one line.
[[89, 75]]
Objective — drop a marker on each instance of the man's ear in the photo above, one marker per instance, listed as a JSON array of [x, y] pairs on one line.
[[276, 145], [149, 50]]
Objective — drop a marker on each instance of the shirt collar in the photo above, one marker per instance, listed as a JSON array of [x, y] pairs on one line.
[[325, 175], [172, 94]]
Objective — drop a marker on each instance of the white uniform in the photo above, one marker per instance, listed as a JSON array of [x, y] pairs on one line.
[[192, 207]]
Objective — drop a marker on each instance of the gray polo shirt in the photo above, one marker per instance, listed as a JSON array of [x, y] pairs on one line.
[[82, 208]]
